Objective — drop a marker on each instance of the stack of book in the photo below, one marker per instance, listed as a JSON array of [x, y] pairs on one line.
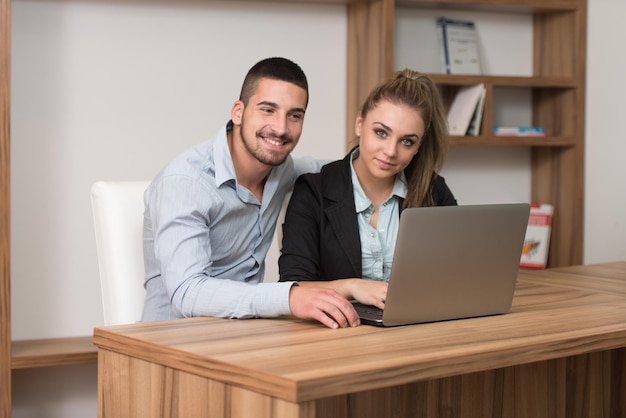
[[459, 55], [519, 131], [466, 112]]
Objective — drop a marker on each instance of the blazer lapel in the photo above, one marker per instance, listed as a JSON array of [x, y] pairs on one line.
[[341, 213]]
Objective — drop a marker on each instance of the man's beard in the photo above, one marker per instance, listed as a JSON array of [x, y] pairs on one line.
[[272, 158]]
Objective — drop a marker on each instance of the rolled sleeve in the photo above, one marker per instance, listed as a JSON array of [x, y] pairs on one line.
[[272, 299]]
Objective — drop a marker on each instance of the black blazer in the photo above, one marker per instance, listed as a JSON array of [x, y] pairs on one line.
[[321, 232]]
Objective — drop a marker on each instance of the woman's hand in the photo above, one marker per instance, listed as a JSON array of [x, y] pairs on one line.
[[368, 292]]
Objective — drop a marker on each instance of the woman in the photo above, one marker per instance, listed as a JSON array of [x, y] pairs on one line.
[[341, 224]]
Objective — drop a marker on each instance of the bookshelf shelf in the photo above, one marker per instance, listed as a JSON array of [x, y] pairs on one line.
[[504, 81], [50, 352], [510, 6], [513, 141]]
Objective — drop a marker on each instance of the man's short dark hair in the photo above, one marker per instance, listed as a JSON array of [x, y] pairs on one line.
[[275, 68]]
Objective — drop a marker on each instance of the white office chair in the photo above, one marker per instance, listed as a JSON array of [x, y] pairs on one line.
[[271, 260], [118, 222], [281, 220]]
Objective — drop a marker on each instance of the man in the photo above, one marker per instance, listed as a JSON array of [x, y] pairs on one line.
[[211, 213]]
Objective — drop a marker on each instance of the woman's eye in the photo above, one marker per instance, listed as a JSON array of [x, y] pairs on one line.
[[408, 142], [381, 133]]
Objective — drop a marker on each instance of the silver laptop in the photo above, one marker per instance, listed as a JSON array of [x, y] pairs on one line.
[[452, 262]]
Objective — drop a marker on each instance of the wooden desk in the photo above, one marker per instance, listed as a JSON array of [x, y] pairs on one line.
[[560, 352]]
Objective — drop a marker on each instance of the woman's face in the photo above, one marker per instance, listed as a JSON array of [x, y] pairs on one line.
[[390, 136]]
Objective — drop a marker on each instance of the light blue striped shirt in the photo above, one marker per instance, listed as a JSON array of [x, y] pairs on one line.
[[377, 244], [206, 237]]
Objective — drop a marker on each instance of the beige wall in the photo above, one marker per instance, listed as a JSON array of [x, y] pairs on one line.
[[114, 90], [605, 190]]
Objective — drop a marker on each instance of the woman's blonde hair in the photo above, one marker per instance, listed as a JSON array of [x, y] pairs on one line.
[[419, 92]]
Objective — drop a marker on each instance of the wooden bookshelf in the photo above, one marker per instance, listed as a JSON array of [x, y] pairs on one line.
[[557, 88], [558, 96]]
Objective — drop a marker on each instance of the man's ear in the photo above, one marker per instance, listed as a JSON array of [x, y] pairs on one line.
[[236, 113]]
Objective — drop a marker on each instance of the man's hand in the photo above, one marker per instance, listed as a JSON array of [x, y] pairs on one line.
[[324, 305]]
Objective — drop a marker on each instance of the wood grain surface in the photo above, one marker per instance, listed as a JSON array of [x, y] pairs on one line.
[[52, 352], [565, 332]]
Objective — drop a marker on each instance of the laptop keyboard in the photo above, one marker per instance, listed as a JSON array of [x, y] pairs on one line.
[[368, 310]]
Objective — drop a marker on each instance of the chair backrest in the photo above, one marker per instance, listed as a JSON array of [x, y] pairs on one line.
[[271, 259], [281, 219], [118, 222]]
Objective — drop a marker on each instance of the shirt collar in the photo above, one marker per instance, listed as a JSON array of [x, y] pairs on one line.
[[222, 160], [361, 201]]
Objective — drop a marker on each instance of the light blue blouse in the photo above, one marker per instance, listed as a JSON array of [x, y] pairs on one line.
[[377, 244]]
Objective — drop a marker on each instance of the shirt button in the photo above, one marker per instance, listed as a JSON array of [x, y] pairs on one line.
[[382, 231]]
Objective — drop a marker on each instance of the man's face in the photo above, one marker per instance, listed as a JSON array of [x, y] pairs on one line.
[[271, 123]]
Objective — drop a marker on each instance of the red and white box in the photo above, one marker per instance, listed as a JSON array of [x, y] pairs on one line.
[[537, 240]]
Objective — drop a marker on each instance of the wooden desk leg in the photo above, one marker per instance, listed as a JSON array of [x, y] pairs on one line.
[[246, 403], [618, 383], [129, 387]]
